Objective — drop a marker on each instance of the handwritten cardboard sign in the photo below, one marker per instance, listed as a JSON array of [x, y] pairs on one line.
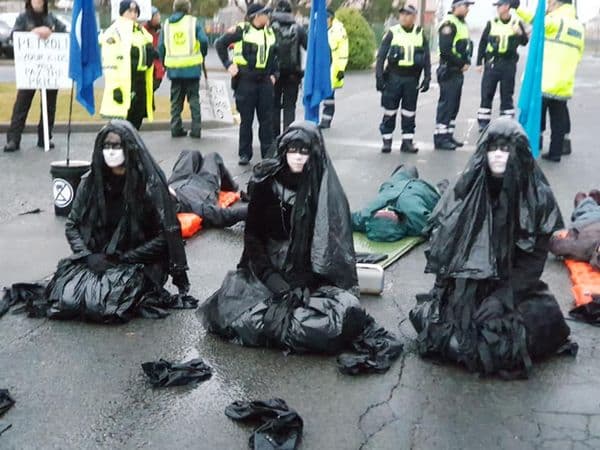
[[214, 101], [41, 63]]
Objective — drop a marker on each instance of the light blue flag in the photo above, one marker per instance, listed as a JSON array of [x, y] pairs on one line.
[[317, 79], [85, 65], [530, 99]]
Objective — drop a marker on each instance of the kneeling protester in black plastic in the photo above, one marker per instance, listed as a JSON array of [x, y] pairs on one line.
[[124, 235], [296, 282], [196, 182], [489, 310]]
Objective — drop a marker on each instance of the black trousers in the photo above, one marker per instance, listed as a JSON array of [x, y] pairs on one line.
[[20, 111], [328, 108], [560, 123], [252, 95], [137, 108], [399, 90], [448, 104], [182, 89], [286, 95], [501, 72]]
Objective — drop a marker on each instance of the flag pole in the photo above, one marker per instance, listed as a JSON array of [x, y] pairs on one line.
[[69, 124]]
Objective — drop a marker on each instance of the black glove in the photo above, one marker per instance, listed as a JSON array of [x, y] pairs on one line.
[[98, 262], [118, 95], [180, 279], [515, 3], [379, 84], [424, 87], [277, 284], [340, 75]]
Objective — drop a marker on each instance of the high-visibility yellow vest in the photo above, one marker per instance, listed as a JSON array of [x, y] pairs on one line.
[[563, 49], [338, 44], [116, 43], [182, 48], [462, 45], [262, 40], [408, 42], [500, 33]]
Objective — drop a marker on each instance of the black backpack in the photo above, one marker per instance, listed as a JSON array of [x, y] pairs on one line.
[[288, 46]]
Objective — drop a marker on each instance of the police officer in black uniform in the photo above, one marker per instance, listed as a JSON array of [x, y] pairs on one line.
[[254, 71], [406, 51], [498, 47], [456, 50]]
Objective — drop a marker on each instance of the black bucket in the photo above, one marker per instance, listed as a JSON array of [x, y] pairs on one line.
[[65, 179]]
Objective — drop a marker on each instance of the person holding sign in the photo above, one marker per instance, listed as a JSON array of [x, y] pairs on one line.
[[127, 57], [38, 20]]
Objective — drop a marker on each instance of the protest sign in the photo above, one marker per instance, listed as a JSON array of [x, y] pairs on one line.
[[214, 101]]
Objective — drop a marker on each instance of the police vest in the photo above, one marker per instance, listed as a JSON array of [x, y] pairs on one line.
[[260, 41], [562, 52], [462, 46], [500, 34], [404, 44], [182, 48], [338, 44]]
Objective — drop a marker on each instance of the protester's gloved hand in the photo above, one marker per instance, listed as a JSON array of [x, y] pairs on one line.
[[276, 283], [379, 84], [98, 262], [515, 3], [340, 75], [424, 87], [180, 279]]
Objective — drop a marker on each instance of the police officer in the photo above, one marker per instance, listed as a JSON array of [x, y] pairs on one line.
[[456, 50], [127, 57], [563, 49], [407, 53], [37, 19], [498, 47], [183, 46], [290, 37], [338, 45], [254, 71]]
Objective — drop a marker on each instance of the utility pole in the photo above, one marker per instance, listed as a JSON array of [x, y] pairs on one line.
[[422, 7]]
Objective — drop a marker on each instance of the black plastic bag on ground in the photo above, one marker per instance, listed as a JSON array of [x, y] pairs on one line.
[[164, 373], [588, 313], [280, 426], [30, 295], [6, 401]]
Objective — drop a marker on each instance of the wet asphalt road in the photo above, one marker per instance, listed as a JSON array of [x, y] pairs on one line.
[[80, 385]]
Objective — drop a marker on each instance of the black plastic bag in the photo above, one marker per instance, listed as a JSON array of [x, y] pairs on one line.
[[370, 258], [6, 401], [29, 295], [280, 426], [588, 313], [164, 373]]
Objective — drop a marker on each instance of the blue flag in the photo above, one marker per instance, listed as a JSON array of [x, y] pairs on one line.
[[317, 78], [85, 65], [530, 98]]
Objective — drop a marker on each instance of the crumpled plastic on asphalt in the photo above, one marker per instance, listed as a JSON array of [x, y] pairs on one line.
[[164, 373], [6, 401], [370, 258], [280, 427]]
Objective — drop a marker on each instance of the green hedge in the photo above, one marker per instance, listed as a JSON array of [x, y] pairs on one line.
[[360, 36]]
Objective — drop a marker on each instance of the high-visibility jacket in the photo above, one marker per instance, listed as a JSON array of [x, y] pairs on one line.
[[182, 48], [259, 41], [116, 43], [338, 44], [500, 34], [563, 49], [405, 44], [462, 46]]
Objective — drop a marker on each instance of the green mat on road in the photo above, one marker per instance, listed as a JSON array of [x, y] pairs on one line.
[[394, 250]]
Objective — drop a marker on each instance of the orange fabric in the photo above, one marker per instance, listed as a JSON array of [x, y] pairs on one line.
[[585, 280], [192, 223]]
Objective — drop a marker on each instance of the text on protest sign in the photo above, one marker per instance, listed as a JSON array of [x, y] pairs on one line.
[[41, 63]]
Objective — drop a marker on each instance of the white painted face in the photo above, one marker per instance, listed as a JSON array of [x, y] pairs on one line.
[[113, 157], [497, 157], [296, 159]]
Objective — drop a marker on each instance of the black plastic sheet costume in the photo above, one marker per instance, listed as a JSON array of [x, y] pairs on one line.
[[294, 286], [489, 310], [197, 181], [163, 373], [128, 225]]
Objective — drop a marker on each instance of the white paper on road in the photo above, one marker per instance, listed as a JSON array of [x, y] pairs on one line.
[[41, 63], [145, 9], [214, 101]]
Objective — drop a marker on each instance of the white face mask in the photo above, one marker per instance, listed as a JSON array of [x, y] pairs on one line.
[[113, 157], [497, 160], [296, 161]]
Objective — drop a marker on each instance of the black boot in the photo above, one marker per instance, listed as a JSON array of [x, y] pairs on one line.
[[11, 146], [549, 157], [325, 123], [236, 213], [408, 146], [387, 146], [455, 142], [566, 150], [443, 143]]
